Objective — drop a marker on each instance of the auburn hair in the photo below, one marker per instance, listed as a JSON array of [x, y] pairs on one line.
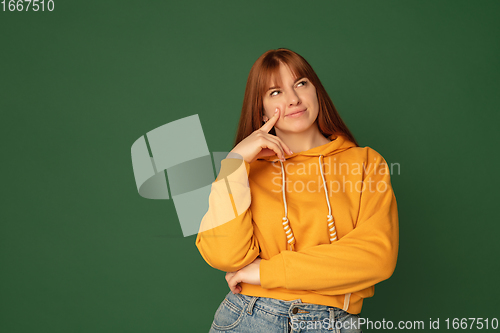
[[258, 82]]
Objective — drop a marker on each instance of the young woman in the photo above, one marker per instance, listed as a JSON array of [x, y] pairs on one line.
[[302, 219]]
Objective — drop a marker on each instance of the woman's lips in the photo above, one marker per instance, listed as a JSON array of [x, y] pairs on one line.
[[295, 115]]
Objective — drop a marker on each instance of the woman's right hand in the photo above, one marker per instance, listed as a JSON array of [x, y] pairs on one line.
[[260, 143]]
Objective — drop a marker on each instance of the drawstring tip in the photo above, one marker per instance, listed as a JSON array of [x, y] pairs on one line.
[[291, 247]]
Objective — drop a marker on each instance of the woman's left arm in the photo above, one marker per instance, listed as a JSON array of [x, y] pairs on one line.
[[362, 258]]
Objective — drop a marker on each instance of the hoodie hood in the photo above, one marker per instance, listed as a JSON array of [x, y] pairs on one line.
[[337, 145]]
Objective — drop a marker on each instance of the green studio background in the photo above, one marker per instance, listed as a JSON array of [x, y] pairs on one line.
[[81, 251]]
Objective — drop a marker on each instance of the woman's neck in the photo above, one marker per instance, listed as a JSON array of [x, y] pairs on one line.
[[303, 141]]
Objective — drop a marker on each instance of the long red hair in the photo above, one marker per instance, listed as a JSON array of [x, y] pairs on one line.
[[266, 67]]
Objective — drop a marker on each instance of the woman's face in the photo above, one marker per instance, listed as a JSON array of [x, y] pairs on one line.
[[296, 99]]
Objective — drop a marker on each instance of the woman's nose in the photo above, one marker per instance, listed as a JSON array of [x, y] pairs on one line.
[[293, 98]]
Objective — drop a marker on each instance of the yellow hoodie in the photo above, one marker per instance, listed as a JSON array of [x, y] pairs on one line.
[[324, 222]]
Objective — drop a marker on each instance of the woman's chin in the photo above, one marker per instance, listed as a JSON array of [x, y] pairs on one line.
[[298, 128]]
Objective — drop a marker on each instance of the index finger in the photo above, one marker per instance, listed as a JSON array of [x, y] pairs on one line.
[[270, 123]]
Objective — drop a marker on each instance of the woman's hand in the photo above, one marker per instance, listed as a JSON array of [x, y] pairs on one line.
[[248, 274], [260, 143]]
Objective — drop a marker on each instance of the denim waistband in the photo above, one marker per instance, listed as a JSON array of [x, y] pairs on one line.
[[277, 306]]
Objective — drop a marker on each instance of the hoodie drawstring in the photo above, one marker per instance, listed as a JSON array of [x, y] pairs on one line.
[[331, 222], [286, 225]]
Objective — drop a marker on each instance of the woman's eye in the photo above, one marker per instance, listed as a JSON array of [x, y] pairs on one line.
[[301, 83], [275, 93]]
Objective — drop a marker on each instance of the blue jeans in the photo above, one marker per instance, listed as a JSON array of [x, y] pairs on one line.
[[240, 313]]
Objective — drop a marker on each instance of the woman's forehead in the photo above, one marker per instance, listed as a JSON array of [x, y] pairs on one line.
[[274, 78]]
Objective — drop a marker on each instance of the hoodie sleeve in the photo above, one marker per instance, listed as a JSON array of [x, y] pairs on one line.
[[226, 239], [362, 258]]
